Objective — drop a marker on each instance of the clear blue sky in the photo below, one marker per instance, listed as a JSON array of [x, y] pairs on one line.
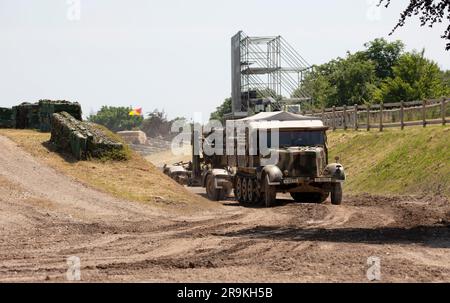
[[173, 55]]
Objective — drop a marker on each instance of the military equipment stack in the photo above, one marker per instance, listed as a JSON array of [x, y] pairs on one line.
[[6, 117], [82, 139], [47, 108], [37, 115], [68, 132], [33, 116], [26, 115]]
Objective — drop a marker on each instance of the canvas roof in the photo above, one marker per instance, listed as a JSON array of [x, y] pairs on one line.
[[283, 120], [278, 116]]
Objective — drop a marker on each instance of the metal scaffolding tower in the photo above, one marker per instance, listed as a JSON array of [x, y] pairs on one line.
[[265, 70]]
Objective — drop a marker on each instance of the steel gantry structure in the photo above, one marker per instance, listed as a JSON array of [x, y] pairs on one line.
[[266, 71]]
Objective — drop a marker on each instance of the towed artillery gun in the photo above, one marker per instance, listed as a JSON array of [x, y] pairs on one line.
[[211, 172], [180, 172], [290, 155]]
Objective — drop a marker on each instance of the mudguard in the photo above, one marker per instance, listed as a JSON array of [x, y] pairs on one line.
[[177, 169], [335, 170], [273, 172], [217, 172]]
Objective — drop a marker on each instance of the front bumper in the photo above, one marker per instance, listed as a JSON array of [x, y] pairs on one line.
[[302, 180]]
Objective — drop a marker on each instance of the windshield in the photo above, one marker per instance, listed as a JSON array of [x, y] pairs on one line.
[[298, 138]]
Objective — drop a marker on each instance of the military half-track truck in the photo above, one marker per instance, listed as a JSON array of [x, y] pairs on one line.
[[297, 163], [271, 152]]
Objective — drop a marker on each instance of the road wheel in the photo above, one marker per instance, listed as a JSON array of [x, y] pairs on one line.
[[244, 190], [238, 189], [251, 191], [336, 194], [270, 193], [213, 193], [258, 192]]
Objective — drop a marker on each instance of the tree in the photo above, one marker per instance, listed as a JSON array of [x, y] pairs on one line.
[[320, 89], [157, 124], [222, 110], [382, 72], [384, 54], [429, 12], [342, 81], [317, 83], [116, 118], [354, 80], [414, 78], [445, 76]]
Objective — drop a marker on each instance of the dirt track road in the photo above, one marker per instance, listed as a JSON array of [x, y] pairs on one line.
[[46, 217]]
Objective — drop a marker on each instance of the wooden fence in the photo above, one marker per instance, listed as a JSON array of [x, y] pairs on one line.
[[381, 116]]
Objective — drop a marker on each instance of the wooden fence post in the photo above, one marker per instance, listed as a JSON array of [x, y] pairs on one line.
[[334, 118], [381, 117], [323, 114], [402, 114], [443, 112], [424, 113], [356, 117], [368, 117], [345, 117]]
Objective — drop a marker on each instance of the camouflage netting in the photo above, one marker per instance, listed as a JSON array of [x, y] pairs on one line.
[[82, 139], [38, 115], [47, 108], [6, 117], [26, 115]]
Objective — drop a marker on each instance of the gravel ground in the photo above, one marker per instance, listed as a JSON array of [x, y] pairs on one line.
[[46, 217]]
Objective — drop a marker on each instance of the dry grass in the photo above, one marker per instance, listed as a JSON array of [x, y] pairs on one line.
[[135, 179]]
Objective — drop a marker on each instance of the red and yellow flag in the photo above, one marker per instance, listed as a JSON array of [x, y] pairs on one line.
[[136, 112]]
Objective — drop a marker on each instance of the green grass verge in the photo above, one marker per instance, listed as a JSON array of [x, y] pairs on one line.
[[413, 161]]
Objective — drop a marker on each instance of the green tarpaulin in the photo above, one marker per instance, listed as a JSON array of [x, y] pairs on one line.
[[82, 139]]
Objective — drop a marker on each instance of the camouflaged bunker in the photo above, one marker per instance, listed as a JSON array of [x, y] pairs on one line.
[[6, 117], [82, 139], [37, 115], [48, 107], [26, 116]]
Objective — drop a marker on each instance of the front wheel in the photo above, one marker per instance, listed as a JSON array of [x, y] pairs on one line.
[[336, 194], [270, 193], [213, 193]]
